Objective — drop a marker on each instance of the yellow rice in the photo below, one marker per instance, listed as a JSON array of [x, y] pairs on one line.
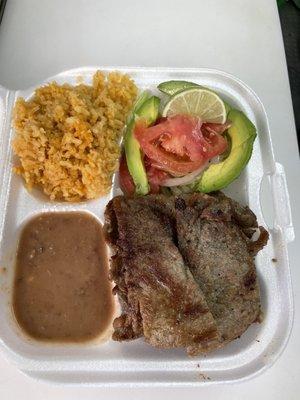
[[67, 137]]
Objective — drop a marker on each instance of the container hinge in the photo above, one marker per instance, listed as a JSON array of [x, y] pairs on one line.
[[281, 199]]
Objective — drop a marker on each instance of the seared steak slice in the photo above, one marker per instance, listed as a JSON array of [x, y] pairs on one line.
[[183, 268], [213, 243], [159, 295], [129, 325]]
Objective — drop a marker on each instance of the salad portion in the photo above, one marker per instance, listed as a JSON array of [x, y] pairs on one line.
[[189, 140]]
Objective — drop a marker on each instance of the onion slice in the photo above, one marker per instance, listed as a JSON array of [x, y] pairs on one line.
[[185, 180]]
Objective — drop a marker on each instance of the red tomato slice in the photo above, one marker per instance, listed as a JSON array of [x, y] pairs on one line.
[[216, 128], [179, 144], [125, 180], [155, 176]]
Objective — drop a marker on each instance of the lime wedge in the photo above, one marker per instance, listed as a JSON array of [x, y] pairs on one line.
[[172, 87], [198, 102]]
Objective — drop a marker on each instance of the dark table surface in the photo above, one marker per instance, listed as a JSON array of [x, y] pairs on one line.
[[290, 25]]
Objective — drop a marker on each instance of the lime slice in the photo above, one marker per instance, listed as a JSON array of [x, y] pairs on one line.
[[199, 102], [173, 87]]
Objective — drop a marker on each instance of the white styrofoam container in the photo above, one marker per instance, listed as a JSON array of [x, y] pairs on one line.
[[262, 186]]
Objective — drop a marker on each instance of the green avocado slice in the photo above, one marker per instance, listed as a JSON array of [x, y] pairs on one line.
[[242, 134], [147, 108], [171, 88]]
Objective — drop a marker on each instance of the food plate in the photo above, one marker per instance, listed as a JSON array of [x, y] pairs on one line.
[[262, 186]]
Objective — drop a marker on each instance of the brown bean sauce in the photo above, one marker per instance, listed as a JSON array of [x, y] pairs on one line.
[[62, 290]]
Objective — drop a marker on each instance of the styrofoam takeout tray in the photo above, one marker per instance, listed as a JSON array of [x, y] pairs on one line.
[[262, 186]]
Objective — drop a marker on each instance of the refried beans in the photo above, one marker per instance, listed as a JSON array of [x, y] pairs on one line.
[[62, 290]]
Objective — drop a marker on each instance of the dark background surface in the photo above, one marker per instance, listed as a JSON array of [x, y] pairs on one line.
[[289, 12], [290, 24]]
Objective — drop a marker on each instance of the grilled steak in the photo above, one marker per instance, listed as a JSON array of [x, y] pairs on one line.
[[218, 253], [183, 269], [159, 295]]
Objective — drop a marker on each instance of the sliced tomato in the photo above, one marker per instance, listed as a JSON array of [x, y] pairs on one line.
[[216, 128], [179, 144], [125, 180], [156, 177]]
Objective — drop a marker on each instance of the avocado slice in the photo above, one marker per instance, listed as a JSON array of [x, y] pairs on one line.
[[242, 134], [145, 95], [147, 108], [173, 87]]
